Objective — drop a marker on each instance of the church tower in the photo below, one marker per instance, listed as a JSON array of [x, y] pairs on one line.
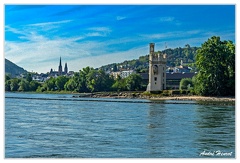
[[65, 69], [60, 67], [157, 70]]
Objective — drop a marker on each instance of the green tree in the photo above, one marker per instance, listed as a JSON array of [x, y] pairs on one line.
[[34, 85], [82, 79], [98, 80], [215, 62], [70, 85], [185, 83], [29, 77], [114, 69], [119, 84], [60, 82], [7, 77], [14, 84], [134, 82], [49, 85], [7, 85], [23, 85]]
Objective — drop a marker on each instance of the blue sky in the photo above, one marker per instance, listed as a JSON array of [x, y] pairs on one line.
[[94, 35]]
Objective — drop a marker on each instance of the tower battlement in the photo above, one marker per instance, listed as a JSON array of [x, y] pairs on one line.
[[159, 57]]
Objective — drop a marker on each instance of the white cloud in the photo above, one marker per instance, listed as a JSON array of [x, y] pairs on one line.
[[46, 26], [120, 17], [40, 54], [99, 31], [50, 23], [175, 34], [167, 19]]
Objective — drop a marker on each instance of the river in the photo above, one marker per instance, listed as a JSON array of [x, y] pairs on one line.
[[59, 126]]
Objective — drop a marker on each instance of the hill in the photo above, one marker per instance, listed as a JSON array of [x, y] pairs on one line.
[[174, 56], [12, 69]]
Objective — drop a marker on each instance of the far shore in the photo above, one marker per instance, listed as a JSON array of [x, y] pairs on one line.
[[140, 95], [198, 98]]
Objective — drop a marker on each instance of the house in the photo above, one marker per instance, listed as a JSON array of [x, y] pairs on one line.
[[115, 74], [124, 74]]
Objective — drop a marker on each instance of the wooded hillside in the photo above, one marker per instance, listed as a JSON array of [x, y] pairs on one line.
[[174, 56]]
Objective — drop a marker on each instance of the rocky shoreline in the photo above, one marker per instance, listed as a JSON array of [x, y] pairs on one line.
[[140, 95]]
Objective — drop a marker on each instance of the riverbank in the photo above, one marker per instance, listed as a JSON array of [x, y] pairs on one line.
[[141, 95]]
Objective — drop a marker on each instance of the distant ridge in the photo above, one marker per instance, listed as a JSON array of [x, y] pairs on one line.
[[12, 69]]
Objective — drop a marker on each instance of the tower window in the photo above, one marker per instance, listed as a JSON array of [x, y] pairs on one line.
[[155, 79], [163, 74]]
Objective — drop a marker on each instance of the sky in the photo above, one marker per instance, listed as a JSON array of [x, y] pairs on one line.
[[36, 36]]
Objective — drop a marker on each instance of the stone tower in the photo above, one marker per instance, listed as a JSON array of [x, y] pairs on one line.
[[60, 67], [157, 70], [65, 69]]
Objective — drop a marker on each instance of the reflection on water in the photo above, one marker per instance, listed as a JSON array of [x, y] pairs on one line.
[[76, 129], [156, 130]]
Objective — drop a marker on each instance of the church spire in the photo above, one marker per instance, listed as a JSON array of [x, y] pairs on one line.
[[60, 64], [65, 69], [60, 67]]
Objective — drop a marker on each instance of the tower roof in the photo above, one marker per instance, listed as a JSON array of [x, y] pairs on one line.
[[60, 64]]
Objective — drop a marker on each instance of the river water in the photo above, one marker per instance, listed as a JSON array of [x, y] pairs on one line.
[[59, 126]]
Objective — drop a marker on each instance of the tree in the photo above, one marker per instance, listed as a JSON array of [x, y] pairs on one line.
[[114, 69], [49, 85], [7, 85], [215, 62], [7, 77], [134, 82], [33, 85], [98, 80], [29, 77], [185, 83], [70, 85], [82, 79], [14, 84], [60, 82], [23, 85], [119, 84]]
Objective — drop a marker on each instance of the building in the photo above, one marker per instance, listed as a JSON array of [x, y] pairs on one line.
[[60, 70], [181, 69], [172, 79], [157, 70], [115, 74], [124, 74], [65, 69]]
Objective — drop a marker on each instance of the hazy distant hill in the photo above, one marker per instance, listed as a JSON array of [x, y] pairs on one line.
[[13, 69]]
